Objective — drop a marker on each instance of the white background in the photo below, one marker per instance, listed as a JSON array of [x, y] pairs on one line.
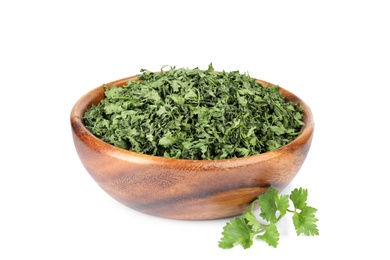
[[333, 54]]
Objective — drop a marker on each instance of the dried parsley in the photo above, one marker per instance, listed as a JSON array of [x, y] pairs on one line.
[[195, 114]]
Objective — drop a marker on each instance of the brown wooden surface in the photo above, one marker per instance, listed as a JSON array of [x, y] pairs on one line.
[[186, 189]]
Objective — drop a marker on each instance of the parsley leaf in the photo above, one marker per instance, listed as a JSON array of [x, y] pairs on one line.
[[251, 219], [270, 235], [305, 221], [268, 205], [299, 197], [237, 232]]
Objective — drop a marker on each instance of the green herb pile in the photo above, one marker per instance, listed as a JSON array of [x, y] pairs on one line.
[[241, 230], [195, 114]]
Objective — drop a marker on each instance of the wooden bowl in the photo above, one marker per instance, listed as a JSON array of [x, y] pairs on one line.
[[186, 189]]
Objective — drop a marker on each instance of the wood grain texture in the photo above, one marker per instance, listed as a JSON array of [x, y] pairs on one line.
[[186, 189]]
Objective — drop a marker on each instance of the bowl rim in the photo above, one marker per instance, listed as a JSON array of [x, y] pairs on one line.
[[97, 94]]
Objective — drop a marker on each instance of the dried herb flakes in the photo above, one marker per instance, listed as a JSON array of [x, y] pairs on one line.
[[195, 114]]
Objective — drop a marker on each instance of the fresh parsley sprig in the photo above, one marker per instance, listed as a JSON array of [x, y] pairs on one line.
[[241, 230]]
